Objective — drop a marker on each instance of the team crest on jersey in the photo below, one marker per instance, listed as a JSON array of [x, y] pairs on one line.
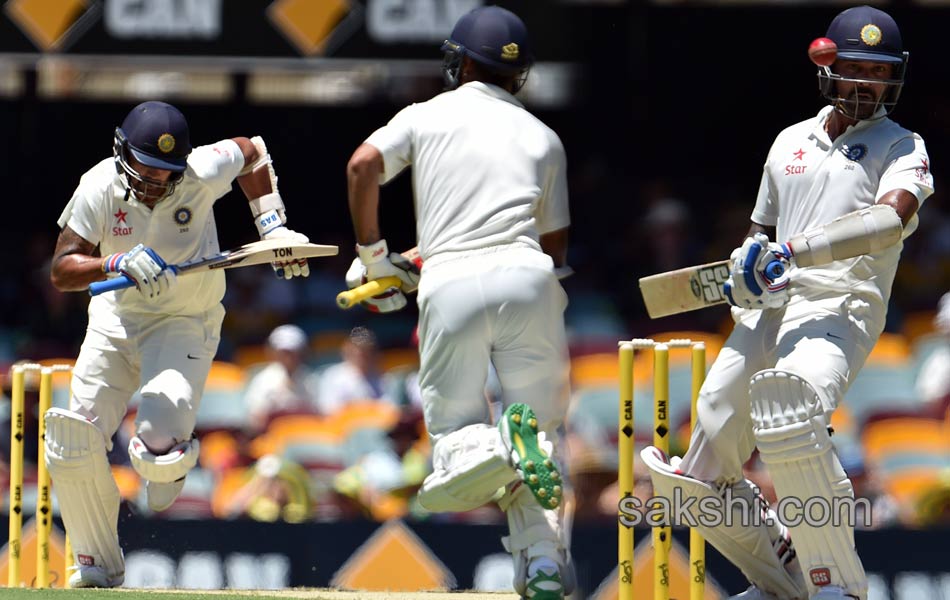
[[166, 142], [856, 152], [183, 215], [510, 51]]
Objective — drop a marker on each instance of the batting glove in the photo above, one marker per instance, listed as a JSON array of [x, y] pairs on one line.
[[152, 276], [389, 301], [380, 262], [292, 268], [759, 277]]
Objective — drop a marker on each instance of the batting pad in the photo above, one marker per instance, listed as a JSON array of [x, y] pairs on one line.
[[763, 553], [88, 496], [791, 431], [534, 531], [470, 466]]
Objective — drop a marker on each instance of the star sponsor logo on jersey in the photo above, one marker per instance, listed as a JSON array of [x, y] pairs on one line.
[[924, 171], [854, 152], [121, 227], [793, 169]]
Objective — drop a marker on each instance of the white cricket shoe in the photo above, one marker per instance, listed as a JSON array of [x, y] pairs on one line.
[[754, 593], [93, 577], [162, 495]]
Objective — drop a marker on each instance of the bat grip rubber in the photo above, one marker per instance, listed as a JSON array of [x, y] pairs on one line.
[[117, 283], [351, 298], [775, 269], [110, 285]]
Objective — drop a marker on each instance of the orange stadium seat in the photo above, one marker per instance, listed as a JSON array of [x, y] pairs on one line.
[[890, 349], [250, 356], [918, 324], [909, 452]]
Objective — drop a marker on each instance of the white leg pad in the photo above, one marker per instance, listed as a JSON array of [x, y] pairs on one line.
[[88, 496], [534, 532], [763, 553], [791, 431], [470, 466]]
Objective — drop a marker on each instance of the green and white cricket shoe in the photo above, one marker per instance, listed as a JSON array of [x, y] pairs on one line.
[[538, 471], [544, 586]]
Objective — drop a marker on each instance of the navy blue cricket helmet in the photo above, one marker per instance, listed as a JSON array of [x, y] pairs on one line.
[[865, 33], [156, 135], [492, 36]]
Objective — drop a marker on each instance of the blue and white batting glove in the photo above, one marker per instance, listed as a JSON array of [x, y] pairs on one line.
[[152, 276], [759, 277], [293, 268]]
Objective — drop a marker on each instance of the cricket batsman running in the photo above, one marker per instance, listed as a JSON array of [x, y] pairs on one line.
[[841, 190], [151, 345], [492, 216]]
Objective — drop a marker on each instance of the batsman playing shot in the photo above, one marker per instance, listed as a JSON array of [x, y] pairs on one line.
[[841, 190], [153, 344], [492, 217]]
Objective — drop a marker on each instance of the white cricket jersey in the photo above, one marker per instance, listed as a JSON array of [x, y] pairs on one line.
[[178, 228], [809, 181], [485, 171]]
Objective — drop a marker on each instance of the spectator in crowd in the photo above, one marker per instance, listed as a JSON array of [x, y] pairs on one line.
[[276, 490], [358, 377], [933, 380], [286, 384]]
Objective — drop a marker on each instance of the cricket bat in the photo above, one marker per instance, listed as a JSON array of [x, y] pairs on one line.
[[255, 253], [350, 298], [691, 288]]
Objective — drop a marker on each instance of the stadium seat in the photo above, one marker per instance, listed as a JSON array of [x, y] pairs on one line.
[[222, 404], [910, 453]]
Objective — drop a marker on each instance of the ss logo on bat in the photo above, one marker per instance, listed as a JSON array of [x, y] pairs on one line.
[[707, 283]]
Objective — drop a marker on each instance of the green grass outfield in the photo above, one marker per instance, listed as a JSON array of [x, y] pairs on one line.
[[302, 593]]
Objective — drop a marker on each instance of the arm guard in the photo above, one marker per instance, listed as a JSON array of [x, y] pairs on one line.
[[854, 234], [268, 210]]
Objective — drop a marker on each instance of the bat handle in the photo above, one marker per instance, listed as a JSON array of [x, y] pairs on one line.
[[110, 285], [118, 283], [775, 269], [351, 298]]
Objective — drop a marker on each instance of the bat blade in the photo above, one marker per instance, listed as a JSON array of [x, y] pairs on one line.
[[255, 253], [684, 290]]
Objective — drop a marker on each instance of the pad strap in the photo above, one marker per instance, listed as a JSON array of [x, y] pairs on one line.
[[164, 468]]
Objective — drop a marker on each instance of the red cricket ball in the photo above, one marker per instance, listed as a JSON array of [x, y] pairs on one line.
[[823, 52]]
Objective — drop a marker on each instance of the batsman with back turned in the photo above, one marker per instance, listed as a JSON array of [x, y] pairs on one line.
[[492, 216], [151, 345], [841, 190]]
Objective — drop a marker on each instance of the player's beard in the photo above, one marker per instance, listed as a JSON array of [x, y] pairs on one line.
[[860, 104], [149, 192]]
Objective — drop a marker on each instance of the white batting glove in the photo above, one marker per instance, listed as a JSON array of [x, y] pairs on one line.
[[759, 277], [380, 262], [152, 276], [292, 268], [389, 301]]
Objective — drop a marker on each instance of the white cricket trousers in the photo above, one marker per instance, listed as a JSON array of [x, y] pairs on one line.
[[161, 361], [499, 304], [823, 339]]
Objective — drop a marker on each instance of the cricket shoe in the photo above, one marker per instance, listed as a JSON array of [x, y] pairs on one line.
[[545, 584], [162, 495], [538, 471], [93, 577], [754, 593]]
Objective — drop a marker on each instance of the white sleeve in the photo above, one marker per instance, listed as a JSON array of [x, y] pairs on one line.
[[908, 168], [552, 211], [217, 165], [83, 213], [394, 142], [766, 208]]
